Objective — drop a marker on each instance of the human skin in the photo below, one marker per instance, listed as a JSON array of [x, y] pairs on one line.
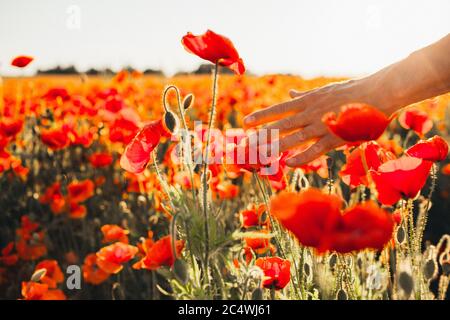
[[422, 75]]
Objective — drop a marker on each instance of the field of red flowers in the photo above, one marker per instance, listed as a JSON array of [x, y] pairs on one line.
[[101, 197]]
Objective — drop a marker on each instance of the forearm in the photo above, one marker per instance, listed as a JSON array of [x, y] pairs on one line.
[[422, 75]]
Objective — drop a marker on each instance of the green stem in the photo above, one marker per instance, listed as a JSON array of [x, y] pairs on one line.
[[205, 170], [185, 127]]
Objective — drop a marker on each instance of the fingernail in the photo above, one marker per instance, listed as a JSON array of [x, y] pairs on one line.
[[249, 119]]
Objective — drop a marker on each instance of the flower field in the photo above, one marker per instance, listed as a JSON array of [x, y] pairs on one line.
[[98, 173]]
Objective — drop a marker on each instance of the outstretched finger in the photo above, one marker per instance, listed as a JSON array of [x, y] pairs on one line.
[[277, 111], [322, 146]]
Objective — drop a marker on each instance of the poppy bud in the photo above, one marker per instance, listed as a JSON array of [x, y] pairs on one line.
[[188, 101], [257, 294], [38, 275], [401, 236], [430, 269], [180, 271], [332, 261], [171, 122], [406, 283], [341, 295]]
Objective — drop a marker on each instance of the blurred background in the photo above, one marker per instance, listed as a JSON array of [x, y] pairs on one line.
[[309, 38]]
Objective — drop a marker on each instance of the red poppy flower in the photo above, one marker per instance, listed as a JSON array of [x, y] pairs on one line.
[[315, 219], [277, 272], [55, 93], [416, 120], [354, 173], [308, 215], [244, 157], [40, 291], [400, 178], [114, 104], [79, 191], [446, 169], [137, 154], [433, 149], [122, 130], [251, 217], [77, 211], [55, 139], [53, 274], [8, 258], [226, 190], [259, 242], [159, 253], [357, 122], [30, 244], [112, 233], [10, 127], [92, 273], [111, 258], [21, 61], [365, 226], [54, 197], [215, 48], [100, 159]]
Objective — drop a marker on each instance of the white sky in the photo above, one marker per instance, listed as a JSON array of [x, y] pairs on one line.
[[310, 38]]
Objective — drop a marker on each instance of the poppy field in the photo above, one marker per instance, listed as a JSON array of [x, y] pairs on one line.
[[153, 188]]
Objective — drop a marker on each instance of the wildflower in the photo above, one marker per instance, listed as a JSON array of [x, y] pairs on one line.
[[365, 226], [53, 274], [252, 216], [54, 197], [77, 211], [400, 178], [138, 152], [354, 172], [308, 215], [316, 220], [433, 149], [214, 48], [21, 61], [122, 130], [159, 253], [357, 122], [259, 244], [55, 139], [40, 291], [92, 273], [416, 120], [55, 93], [277, 272], [100, 159], [446, 169], [112, 233], [79, 191], [8, 258], [30, 244], [111, 258], [10, 127]]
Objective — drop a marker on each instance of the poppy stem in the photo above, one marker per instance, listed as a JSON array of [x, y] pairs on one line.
[[187, 143], [205, 172]]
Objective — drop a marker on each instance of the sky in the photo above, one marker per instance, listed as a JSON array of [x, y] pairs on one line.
[[308, 38]]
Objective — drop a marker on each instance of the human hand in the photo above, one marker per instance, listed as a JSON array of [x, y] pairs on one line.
[[300, 119]]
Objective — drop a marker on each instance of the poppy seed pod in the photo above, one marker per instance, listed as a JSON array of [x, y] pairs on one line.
[[188, 101]]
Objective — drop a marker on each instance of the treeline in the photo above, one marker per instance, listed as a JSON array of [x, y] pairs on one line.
[[72, 70]]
